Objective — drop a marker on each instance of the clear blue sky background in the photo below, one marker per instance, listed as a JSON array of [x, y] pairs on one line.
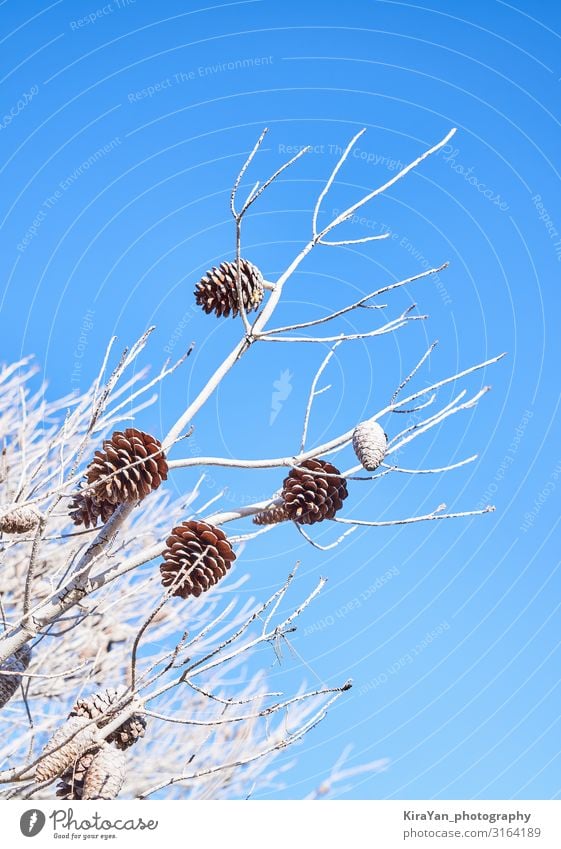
[[474, 711]]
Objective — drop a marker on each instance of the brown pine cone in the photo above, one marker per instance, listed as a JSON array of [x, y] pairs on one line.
[[147, 468], [16, 663], [311, 498], [20, 520], [197, 556], [370, 444], [217, 291], [271, 516], [84, 510], [56, 758], [99, 704]]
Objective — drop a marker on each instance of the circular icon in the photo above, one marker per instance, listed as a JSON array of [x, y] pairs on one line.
[[31, 822]]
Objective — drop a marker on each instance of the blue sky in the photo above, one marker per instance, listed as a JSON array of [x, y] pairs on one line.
[[164, 101]]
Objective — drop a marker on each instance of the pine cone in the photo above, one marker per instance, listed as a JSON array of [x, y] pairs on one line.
[[18, 662], [197, 556], [86, 511], [53, 763], [217, 291], [149, 468], [271, 516], [98, 774], [370, 444], [99, 704], [311, 498], [129, 732], [105, 775], [20, 520], [71, 784]]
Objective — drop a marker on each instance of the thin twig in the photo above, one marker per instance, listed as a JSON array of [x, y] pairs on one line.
[[356, 304], [389, 327], [244, 168], [410, 520], [413, 372], [331, 178], [257, 193], [287, 741], [313, 393], [331, 545], [349, 212]]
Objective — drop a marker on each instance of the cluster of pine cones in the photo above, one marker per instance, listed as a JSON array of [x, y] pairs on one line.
[[132, 464], [89, 769], [315, 491]]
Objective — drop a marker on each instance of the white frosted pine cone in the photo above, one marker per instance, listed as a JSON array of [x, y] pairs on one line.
[[10, 677], [105, 775], [71, 784], [58, 754], [370, 444]]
